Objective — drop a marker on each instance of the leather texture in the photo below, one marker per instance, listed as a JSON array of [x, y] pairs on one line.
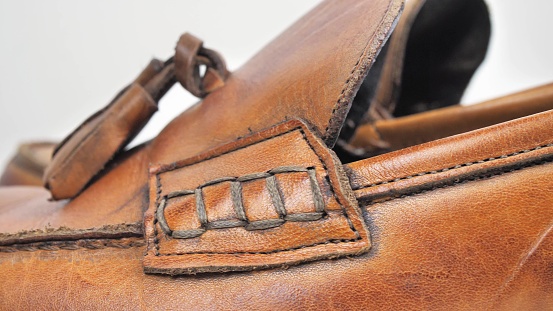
[[416, 251], [289, 72], [427, 63], [365, 24], [383, 103], [79, 159], [102, 207], [221, 211], [460, 223], [189, 56]]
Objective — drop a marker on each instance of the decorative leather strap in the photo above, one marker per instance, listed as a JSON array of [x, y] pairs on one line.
[[228, 211], [86, 151]]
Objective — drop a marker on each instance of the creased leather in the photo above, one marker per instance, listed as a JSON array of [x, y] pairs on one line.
[[437, 244], [388, 175], [77, 159]]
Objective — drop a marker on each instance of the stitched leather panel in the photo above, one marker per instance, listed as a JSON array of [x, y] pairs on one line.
[[272, 199], [425, 166]]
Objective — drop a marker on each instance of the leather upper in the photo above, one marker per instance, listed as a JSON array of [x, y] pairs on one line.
[[235, 117], [241, 203]]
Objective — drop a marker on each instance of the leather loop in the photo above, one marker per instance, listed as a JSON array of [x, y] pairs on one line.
[[190, 55]]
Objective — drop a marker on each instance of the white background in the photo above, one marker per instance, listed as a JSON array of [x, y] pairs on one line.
[[62, 60]]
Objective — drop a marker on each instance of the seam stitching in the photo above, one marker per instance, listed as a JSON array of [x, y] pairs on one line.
[[462, 181], [73, 245], [437, 171], [344, 211], [243, 221], [268, 252], [115, 229], [236, 194], [158, 194]]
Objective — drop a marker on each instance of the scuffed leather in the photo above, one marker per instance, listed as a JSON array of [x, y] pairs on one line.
[[362, 24], [289, 74]]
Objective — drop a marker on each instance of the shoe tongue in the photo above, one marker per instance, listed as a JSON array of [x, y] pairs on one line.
[[312, 71]]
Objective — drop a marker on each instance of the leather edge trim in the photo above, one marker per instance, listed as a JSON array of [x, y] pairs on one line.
[[360, 71], [361, 186], [69, 234], [481, 174], [87, 244]]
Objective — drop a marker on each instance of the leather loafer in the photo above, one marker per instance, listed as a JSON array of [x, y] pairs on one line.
[[322, 174]]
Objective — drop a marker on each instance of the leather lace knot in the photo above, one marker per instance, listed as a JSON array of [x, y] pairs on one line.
[[190, 56]]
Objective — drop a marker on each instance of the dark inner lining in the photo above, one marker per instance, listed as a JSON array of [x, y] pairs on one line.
[[447, 43]]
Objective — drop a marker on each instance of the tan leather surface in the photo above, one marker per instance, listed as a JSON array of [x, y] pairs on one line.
[[436, 250], [368, 21], [28, 208], [463, 245], [427, 63], [288, 75], [78, 158], [81, 158], [463, 223], [378, 176], [529, 285], [217, 212], [189, 56], [427, 126], [16, 175]]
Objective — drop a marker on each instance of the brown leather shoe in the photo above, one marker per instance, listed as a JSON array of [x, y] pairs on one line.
[[240, 203], [389, 85]]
